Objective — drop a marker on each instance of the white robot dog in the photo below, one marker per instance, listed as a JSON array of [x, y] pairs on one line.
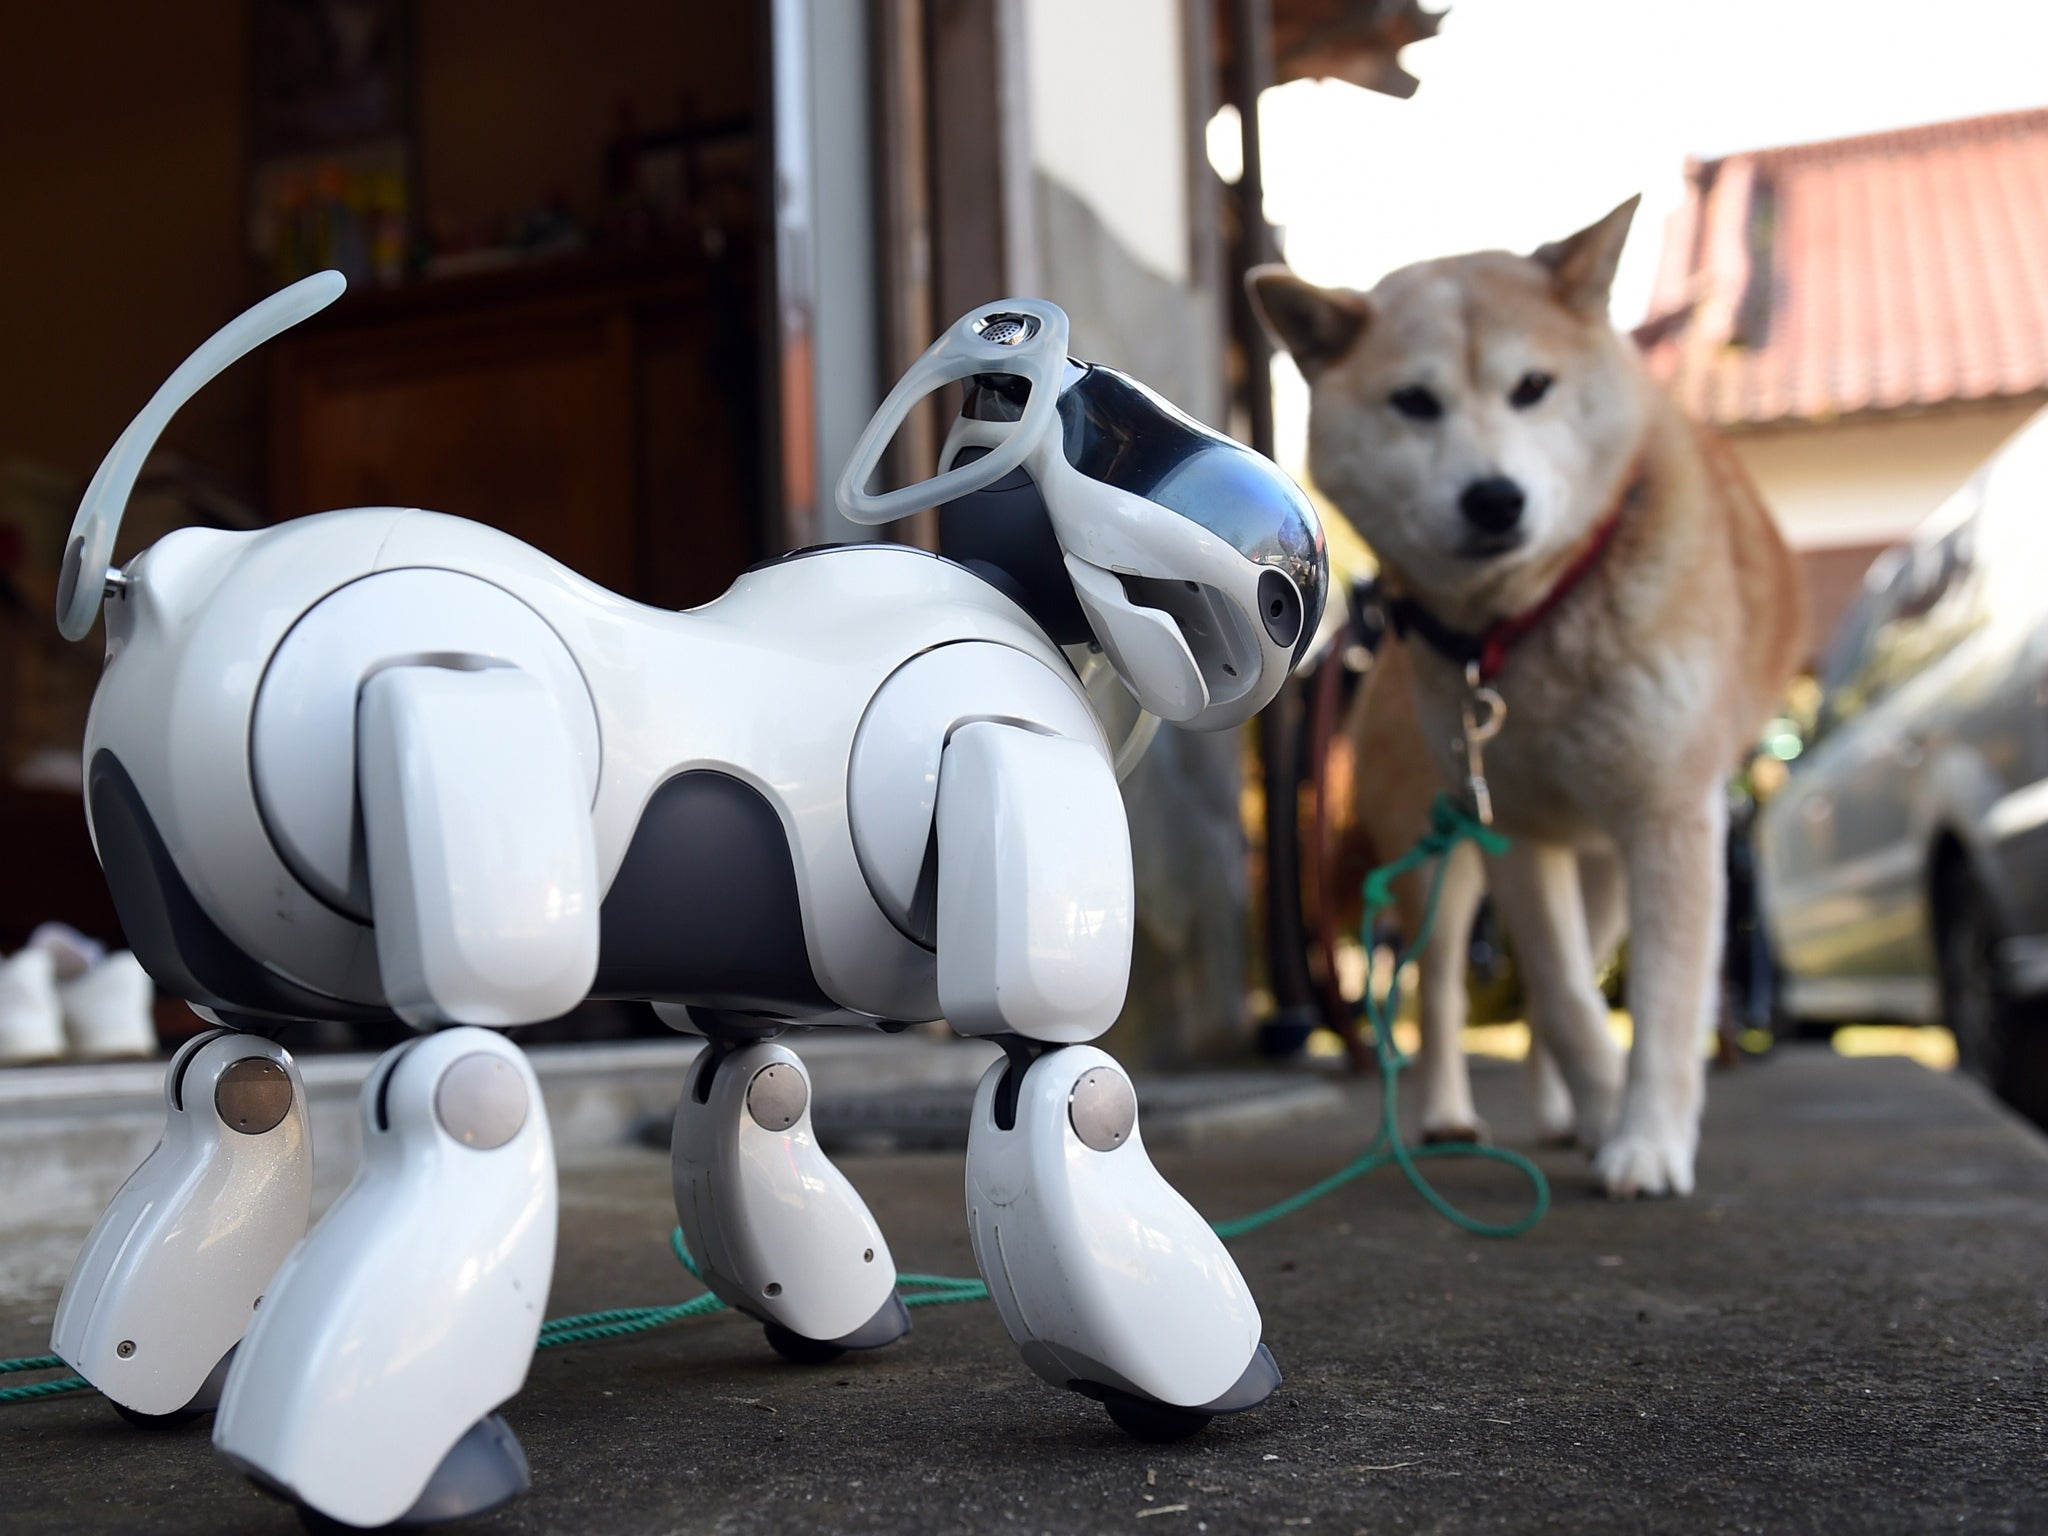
[[386, 762]]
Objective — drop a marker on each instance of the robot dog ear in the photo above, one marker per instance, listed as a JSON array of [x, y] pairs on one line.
[[1317, 326], [81, 586], [1021, 338]]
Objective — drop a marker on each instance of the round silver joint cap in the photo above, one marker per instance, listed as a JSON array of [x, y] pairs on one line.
[[777, 1096], [1103, 1109], [481, 1100], [252, 1095]]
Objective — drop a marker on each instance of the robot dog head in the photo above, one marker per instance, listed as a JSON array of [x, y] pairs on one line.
[[1196, 565]]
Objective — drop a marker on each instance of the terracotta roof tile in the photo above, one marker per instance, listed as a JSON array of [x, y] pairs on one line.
[[1893, 271]]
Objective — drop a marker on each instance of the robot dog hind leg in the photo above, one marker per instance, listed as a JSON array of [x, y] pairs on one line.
[[1108, 1280], [777, 1230], [173, 1271]]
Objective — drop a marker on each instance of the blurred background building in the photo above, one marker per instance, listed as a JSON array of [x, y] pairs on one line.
[[1865, 318]]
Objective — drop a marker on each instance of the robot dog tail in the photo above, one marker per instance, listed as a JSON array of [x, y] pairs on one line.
[[90, 549]]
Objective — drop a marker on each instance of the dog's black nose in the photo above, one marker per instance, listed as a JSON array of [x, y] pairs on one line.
[[1492, 505]]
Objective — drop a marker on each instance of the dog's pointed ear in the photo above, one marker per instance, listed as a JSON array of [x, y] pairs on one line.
[[1582, 265], [1315, 325]]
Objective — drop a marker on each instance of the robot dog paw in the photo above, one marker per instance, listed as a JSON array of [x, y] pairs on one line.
[[1110, 1283], [1148, 1419], [888, 1325], [484, 1470], [1634, 1162], [203, 1402]]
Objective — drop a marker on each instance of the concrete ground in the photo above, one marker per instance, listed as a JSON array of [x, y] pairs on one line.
[[1845, 1331]]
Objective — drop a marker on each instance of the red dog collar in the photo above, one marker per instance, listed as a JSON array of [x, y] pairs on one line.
[[1488, 650]]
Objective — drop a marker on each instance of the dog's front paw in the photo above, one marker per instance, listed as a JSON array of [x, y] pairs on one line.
[[1467, 1131], [1556, 1113], [1447, 1111], [1557, 1117], [1593, 1113], [1634, 1162]]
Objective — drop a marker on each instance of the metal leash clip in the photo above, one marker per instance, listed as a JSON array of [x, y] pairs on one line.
[[1484, 712]]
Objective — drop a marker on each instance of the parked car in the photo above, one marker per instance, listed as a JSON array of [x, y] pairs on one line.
[[1904, 865]]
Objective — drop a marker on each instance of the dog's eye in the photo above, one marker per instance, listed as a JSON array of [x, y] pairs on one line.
[[1416, 403], [1529, 389]]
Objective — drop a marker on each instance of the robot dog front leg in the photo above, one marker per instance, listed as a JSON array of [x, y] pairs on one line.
[[173, 1271], [776, 1229], [1109, 1281], [367, 1388]]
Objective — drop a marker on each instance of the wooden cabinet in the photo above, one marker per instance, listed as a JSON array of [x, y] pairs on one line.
[[605, 410]]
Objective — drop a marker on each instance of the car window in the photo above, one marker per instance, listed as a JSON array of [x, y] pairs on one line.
[[2015, 527], [1844, 669], [1919, 601], [1939, 604]]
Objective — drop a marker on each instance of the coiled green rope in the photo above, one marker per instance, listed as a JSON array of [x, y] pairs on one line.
[[1450, 825]]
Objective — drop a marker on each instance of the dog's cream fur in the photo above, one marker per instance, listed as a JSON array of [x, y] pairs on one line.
[[1627, 706]]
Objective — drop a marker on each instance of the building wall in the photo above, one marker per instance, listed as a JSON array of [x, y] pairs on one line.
[[1844, 491], [1109, 118], [1871, 482], [1111, 137], [1110, 140]]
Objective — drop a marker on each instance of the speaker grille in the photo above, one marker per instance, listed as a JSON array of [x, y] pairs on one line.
[[1007, 330]]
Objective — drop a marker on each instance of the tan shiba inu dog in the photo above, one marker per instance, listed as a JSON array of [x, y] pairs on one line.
[[1550, 526]]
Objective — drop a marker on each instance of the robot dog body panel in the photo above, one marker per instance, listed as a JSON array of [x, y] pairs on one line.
[[223, 756]]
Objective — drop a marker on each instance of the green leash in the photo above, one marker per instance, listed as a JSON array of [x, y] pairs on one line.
[[1450, 824], [916, 1291], [40, 1388]]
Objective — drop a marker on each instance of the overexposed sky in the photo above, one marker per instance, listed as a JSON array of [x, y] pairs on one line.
[[1535, 117]]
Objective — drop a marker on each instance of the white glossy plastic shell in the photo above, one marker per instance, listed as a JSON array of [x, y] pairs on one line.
[[892, 788], [1100, 1270], [302, 741], [411, 1310], [175, 1265], [1035, 912], [767, 684], [1144, 645], [776, 1228], [483, 875]]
